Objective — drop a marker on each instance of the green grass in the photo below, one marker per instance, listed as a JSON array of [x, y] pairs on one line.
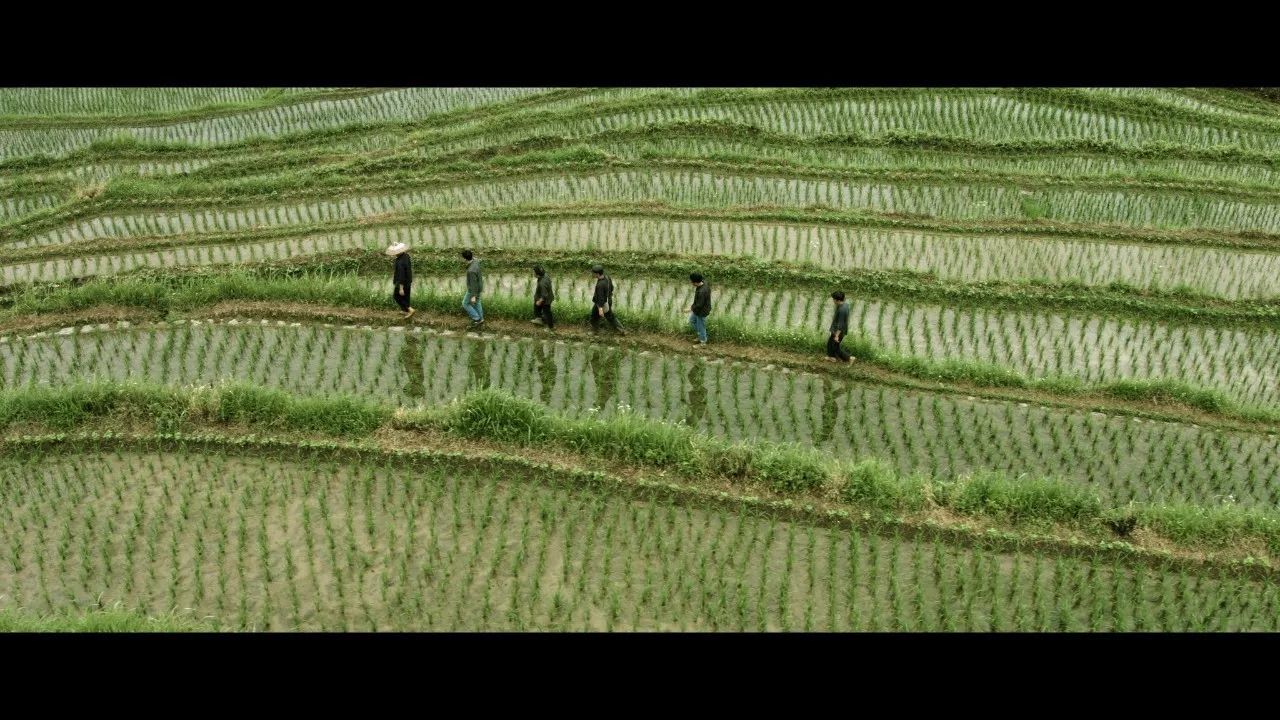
[[1034, 209], [109, 620], [69, 406]]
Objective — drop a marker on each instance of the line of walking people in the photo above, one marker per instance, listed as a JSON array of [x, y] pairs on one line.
[[602, 307]]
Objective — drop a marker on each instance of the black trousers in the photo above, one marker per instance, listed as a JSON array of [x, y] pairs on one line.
[[834, 350], [544, 311], [595, 319], [402, 300]]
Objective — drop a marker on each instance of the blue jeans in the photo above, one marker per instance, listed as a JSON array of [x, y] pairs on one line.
[[699, 326], [475, 311]]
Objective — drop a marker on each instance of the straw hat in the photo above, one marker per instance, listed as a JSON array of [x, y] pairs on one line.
[[397, 249]]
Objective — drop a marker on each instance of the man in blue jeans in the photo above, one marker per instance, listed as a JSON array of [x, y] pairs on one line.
[[700, 308], [475, 285]]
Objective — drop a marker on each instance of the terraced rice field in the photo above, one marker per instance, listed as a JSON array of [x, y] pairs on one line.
[[714, 190], [937, 434], [1212, 271], [400, 105], [1077, 290], [1031, 167], [38, 102], [1244, 363], [282, 545]]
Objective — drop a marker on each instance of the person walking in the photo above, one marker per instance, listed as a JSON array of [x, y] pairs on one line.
[[475, 285], [700, 308], [839, 329], [543, 296], [402, 278], [602, 301]]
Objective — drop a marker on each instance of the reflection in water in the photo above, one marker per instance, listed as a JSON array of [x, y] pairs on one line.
[[411, 359], [697, 398], [479, 366], [828, 425], [545, 357], [604, 369]]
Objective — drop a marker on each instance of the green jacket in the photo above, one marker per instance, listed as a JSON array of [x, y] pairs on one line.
[[475, 284], [840, 323], [544, 292], [702, 300]]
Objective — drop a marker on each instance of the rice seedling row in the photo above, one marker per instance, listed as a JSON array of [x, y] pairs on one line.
[[54, 270], [364, 135], [975, 114], [124, 101], [265, 544], [940, 435], [911, 110], [1231, 274], [1204, 101], [1224, 273], [678, 142], [707, 189], [721, 140], [97, 172], [392, 105], [110, 162], [15, 207], [982, 113], [1227, 101]]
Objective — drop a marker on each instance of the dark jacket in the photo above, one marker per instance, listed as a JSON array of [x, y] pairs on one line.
[[404, 270], [840, 323], [544, 292], [475, 284], [702, 300], [604, 293]]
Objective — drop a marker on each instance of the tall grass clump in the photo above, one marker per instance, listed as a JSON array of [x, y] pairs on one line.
[[128, 291], [1217, 526], [331, 415], [64, 408], [787, 468], [1034, 208], [1207, 399], [497, 415], [1023, 499], [630, 438], [318, 287], [873, 482]]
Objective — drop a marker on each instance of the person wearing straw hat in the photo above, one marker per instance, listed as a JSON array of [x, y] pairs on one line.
[[403, 278]]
